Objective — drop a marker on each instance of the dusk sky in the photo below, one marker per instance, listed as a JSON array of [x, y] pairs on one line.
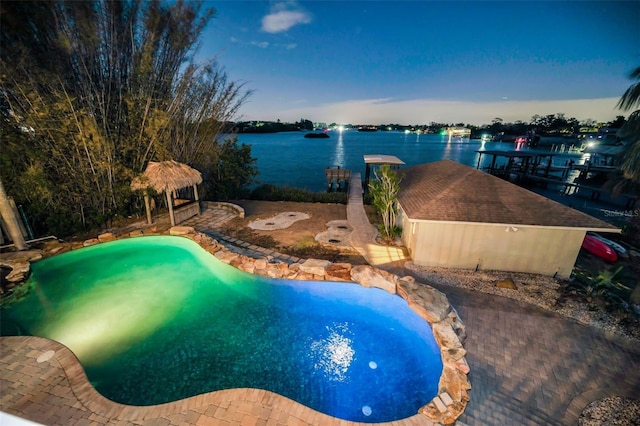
[[421, 61]]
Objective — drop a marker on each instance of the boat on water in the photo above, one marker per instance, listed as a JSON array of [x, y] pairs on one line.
[[599, 248], [317, 135]]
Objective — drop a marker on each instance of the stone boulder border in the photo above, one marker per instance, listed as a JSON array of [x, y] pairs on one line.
[[431, 304]]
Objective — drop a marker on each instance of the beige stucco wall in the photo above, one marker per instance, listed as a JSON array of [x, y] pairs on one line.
[[530, 249]]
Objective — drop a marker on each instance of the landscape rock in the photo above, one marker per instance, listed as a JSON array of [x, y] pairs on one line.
[[136, 233], [426, 301], [249, 267], [408, 279], [462, 366], [446, 337], [237, 261], [106, 237], [315, 266], [90, 242], [454, 383], [339, 272], [304, 276], [507, 283], [181, 230], [274, 273], [261, 263], [368, 276], [19, 271], [294, 267], [21, 256], [54, 250]]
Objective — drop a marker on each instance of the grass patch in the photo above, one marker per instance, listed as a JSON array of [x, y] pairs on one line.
[[270, 192]]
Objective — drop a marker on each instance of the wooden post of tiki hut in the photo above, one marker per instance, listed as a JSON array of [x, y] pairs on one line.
[[169, 177]]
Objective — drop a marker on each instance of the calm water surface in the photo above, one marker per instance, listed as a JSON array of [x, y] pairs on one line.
[[289, 159]]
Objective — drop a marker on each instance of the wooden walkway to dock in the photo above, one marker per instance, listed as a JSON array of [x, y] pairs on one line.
[[339, 176]]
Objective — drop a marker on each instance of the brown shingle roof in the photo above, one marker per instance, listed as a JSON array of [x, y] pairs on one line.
[[449, 191]]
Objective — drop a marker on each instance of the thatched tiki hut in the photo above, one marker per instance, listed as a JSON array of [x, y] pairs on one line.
[[169, 177]]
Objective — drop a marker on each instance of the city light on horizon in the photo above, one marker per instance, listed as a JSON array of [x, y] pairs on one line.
[[424, 111]]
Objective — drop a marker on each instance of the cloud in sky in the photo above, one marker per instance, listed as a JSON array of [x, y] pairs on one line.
[[283, 16], [424, 111]]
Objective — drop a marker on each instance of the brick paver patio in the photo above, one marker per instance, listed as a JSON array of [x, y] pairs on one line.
[[532, 367]]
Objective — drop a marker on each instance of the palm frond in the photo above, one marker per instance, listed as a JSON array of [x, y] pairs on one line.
[[631, 97]]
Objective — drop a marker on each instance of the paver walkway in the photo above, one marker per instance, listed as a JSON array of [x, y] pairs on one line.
[[363, 237], [532, 367]]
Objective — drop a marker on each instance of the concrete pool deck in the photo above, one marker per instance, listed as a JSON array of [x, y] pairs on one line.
[[528, 367]]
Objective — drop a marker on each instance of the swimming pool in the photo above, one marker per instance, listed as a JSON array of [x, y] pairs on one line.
[[157, 319]]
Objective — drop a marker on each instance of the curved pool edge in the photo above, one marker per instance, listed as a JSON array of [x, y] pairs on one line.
[[430, 304], [58, 388]]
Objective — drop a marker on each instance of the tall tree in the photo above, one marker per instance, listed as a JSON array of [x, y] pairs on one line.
[[98, 89]]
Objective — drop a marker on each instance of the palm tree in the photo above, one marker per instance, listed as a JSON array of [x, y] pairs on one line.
[[630, 165], [631, 130]]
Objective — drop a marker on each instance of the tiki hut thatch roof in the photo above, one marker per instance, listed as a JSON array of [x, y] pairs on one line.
[[167, 176]]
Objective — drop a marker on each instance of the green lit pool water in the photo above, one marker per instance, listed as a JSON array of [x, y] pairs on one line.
[[157, 319]]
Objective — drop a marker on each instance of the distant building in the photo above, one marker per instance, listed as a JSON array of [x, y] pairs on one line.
[[456, 216], [458, 132]]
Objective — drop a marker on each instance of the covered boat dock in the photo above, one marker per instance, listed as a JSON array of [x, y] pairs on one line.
[[373, 160], [535, 165]]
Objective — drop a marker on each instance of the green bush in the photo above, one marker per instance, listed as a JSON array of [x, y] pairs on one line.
[[604, 288], [268, 192]]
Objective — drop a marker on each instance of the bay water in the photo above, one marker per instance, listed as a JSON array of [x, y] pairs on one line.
[[290, 159]]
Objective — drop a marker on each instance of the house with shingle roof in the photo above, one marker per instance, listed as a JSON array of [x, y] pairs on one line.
[[456, 216]]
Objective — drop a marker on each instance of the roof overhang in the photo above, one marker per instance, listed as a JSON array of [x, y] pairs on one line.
[[382, 159], [518, 225]]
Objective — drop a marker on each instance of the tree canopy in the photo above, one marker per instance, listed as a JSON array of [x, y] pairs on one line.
[[94, 90]]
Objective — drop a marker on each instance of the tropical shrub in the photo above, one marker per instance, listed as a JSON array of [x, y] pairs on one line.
[[384, 193], [268, 192]]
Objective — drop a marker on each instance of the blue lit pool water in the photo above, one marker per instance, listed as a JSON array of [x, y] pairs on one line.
[[157, 319]]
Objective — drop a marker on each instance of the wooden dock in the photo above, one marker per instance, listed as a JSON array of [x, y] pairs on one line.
[[537, 167], [338, 176]]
